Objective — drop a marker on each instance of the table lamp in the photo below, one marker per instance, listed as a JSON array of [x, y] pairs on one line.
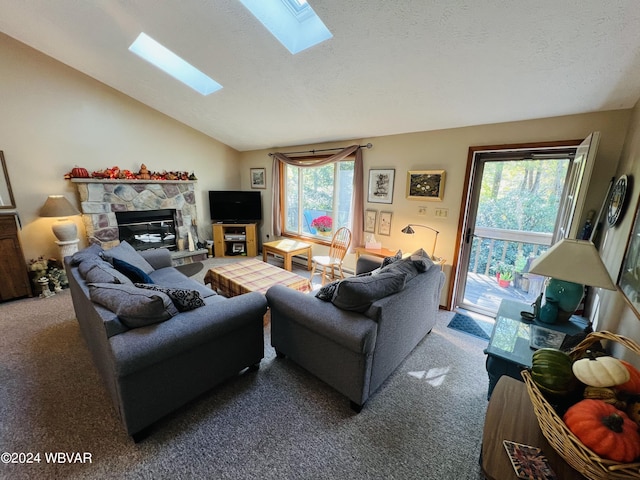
[[65, 230], [571, 264], [408, 230]]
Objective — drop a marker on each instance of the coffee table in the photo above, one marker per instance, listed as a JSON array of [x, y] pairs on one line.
[[287, 248], [508, 351], [252, 276]]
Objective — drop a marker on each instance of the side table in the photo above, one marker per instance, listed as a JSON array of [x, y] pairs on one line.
[[508, 351], [510, 416], [287, 248]]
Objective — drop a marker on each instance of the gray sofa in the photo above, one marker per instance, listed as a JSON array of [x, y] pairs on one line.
[[157, 350], [361, 332]]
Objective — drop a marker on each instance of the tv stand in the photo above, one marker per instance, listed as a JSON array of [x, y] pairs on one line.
[[233, 239]]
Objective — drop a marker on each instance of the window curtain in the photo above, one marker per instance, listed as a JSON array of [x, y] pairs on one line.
[[357, 202]]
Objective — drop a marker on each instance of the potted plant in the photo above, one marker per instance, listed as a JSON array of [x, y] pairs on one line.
[[505, 274], [323, 225], [520, 280]]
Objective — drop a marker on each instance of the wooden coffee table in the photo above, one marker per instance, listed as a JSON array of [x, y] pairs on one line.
[[510, 416], [252, 276], [287, 248]]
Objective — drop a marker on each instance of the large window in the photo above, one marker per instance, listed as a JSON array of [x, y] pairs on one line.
[[311, 193]]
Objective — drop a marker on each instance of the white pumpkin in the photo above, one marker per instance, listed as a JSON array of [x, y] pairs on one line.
[[600, 371]]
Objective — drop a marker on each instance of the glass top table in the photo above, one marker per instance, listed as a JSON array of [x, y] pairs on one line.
[[511, 333]]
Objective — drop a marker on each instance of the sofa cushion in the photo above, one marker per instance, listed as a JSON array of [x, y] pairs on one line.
[[183, 299], [416, 263], [132, 272], [127, 253], [421, 260], [89, 252], [96, 270], [135, 307], [358, 293]]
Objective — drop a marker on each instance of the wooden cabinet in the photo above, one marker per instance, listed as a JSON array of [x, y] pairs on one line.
[[232, 239], [14, 276]]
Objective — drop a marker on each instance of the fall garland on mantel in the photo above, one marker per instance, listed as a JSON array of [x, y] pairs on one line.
[[117, 173]]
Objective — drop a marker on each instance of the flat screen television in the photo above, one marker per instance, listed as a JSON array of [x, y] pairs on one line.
[[234, 206]]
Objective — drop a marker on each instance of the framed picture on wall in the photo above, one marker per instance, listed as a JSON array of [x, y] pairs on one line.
[[381, 185], [384, 227], [370, 221], [629, 278], [425, 185], [258, 177]]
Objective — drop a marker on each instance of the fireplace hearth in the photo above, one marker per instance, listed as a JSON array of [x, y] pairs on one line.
[[148, 228]]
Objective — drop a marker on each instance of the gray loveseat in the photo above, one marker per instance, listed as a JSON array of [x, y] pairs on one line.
[[365, 326], [157, 350]]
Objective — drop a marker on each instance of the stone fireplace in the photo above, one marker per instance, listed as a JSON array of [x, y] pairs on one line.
[[102, 199]]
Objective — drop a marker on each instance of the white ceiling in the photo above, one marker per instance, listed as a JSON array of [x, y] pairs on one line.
[[391, 66]]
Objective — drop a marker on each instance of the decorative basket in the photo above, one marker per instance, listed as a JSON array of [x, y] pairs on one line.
[[563, 440]]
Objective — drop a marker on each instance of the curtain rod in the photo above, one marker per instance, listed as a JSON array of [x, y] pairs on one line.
[[368, 145]]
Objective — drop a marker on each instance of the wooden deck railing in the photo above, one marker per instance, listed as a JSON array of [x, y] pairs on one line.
[[493, 245]]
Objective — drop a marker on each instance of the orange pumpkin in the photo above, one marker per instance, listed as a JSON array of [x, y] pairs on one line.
[[633, 385], [605, 430], [78, 172]]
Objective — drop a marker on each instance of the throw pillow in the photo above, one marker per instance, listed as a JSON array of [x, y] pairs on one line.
[[326, 292], [132, 272], [422, 260], [105, 273], [135, 307], [91, 251], [127, 253], [390, 260], [358, 293], [182, 298]]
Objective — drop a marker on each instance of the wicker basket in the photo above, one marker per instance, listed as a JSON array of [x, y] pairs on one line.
[[563, 440]]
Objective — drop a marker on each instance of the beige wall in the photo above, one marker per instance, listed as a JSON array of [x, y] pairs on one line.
[[54, 118], [448, 150], [614, 314]]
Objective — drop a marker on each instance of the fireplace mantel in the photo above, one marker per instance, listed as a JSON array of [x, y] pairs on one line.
[[125, 181]]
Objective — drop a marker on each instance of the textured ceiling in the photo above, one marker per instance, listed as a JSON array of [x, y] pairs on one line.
[[391, 66]]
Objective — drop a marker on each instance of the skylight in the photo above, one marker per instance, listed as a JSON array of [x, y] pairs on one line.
[[292, 22], [167, 61]]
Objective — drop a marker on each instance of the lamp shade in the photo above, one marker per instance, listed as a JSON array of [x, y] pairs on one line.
[[58, 206], [575, 261]]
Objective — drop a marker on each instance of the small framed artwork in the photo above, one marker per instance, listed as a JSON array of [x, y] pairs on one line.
[[425, 185], [384, 227], [381, 185], [370, 221], [258, 177]]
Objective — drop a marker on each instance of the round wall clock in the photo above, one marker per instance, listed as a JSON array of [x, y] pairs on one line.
[[616, 202]]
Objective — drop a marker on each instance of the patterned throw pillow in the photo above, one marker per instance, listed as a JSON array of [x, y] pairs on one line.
[[182, 298], [390, 260], [326, 292]]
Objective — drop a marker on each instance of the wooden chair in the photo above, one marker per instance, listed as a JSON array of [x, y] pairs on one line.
[[339, 246]]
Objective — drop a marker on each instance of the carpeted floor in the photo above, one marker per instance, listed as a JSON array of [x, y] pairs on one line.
[[468, 325], [280, 422]]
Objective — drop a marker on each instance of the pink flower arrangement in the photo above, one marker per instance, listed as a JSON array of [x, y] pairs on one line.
[[322, 224]]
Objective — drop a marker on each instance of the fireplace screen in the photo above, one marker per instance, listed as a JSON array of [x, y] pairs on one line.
[[148, 229]]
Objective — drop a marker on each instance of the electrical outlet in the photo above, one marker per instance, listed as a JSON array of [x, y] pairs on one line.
[[441, 212], [422, 211]]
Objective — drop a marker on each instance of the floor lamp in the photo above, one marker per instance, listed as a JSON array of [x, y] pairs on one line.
[[57, 206], [409, 230]]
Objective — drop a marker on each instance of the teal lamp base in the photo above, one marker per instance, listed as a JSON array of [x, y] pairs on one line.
[[568, 296]]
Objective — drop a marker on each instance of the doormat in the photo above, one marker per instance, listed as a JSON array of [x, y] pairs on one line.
[[468, 325]]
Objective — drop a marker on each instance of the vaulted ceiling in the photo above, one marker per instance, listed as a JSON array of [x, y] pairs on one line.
[[391, 66]]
